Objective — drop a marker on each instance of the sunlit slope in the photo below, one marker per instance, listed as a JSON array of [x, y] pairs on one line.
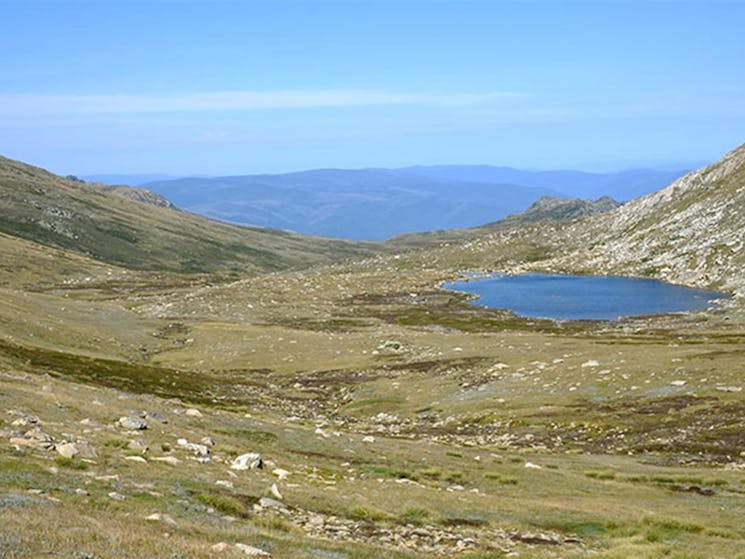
[[99, 223], [691, 232]]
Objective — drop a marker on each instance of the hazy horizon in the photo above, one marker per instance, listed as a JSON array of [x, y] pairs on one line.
[[600, 168], [221, 88]]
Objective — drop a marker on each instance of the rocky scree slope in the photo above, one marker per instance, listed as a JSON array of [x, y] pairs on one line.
[[692, 232]]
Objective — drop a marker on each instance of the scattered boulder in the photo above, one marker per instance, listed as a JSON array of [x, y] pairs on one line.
[[156, 416], [34, 438], [132, 422], [537, 538], [193, 412], [25, 421], [248, 461], [269, 503], [729, 388], [67, 450], [81, 449], [199, 450]]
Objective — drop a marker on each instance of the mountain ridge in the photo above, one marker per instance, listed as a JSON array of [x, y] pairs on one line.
[[689, 232], [382, 203], [138, 229], [364, 204]]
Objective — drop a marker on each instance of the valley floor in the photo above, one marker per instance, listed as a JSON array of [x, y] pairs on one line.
[[393, 419]]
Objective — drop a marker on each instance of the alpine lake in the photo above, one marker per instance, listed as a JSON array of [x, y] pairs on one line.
[[570, 297]]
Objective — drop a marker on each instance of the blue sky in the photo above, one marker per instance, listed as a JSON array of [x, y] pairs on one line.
[[218, 87]]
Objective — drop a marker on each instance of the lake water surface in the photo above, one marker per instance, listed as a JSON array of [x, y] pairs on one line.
[[565, 297]]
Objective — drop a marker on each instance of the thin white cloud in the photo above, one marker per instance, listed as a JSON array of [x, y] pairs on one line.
[[34, 105]]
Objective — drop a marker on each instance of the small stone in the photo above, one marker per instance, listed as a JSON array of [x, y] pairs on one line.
[[532, 466], [368, 439], [116, 496], [280, 473], [193, 412], [220, 547], [208, 441], [677, 383], [590, 363], [138, 459], [274, 490]]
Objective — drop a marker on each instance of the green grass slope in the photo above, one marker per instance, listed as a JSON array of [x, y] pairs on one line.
[[104, 225]]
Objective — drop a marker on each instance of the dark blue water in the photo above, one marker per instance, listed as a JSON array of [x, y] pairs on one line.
[[583, 297]]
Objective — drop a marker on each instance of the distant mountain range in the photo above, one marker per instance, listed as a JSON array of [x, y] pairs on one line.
[[621, 185], [376, 204], [129, 179]]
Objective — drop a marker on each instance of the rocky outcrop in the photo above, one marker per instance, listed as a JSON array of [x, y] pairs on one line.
[[142, 195], [558, 209], [690, 232]]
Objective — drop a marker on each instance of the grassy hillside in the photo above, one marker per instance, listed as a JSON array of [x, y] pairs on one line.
[[545, 210], [110, 227]]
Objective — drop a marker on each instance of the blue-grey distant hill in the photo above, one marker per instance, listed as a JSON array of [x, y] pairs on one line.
[[128, 179], [376, 204], [621, 185], [369, 204]]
